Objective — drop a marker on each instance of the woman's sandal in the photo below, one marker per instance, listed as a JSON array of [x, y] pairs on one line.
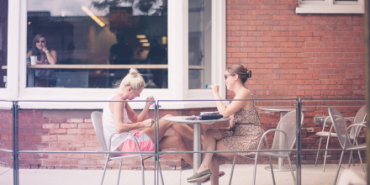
[[200, 176], [220, 174]]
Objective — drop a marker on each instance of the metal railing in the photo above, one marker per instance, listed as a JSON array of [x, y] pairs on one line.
[[298, 104]]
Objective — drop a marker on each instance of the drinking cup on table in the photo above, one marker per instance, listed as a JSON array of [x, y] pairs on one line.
[[33, 60]]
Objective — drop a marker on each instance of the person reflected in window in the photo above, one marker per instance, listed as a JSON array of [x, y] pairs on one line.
[[157, 55], [45, 56], [120, 53], [243, 133]]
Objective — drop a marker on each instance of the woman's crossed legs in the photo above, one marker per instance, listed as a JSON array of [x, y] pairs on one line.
[[213, 142], [174, 141]]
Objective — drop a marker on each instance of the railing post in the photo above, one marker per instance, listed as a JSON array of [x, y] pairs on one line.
[[298, 140], [156, 142], [15, 143]]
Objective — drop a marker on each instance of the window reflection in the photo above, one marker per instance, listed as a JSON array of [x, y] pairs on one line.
[[3, 41], [95, 41], [200, 35]]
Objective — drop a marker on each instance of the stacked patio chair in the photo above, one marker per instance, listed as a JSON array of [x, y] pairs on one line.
[[341, 129], [96, 117], [358, 120], [284, 139]]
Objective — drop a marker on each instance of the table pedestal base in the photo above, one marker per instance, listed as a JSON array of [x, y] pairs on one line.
[[278, 168]]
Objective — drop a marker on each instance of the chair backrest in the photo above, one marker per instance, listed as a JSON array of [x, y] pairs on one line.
[[340, 126], [360, 115], [288, 124], [359, 118], [96, 118]]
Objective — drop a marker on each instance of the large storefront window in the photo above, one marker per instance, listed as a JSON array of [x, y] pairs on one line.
[[93, 43], [200, 37], [3, 41]]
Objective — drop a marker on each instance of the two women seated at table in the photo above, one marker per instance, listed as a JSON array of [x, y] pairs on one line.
[[45, 55], [244, 131], [118, 117]]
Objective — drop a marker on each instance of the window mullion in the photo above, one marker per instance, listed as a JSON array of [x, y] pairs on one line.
[[219, 44], [178, 48], [16, 13]]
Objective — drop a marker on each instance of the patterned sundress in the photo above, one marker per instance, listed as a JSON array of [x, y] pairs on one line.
[[246, 132]]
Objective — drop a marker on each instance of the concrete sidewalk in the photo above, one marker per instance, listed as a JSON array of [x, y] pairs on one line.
[[243, 174]]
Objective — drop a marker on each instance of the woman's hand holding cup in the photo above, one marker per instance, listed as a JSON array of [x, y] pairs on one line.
[[215, 88]]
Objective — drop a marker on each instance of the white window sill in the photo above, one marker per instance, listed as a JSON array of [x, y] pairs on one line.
[[43, 98], [329, 9]]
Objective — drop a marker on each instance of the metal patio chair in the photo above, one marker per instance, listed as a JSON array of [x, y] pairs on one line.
[[284, 139], [341, 129], [96, 118], [358, 120]]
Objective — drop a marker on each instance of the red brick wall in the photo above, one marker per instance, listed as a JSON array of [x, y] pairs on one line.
[[298, 56], [290, 55]]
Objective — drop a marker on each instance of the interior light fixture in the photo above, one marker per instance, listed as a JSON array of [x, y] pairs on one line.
[[164, 40], [95, 18], [140, 36], [143, 40], [146, 44], [29, 23]]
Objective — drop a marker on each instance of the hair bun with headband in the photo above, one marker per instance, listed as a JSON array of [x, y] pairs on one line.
[[133, 72], [249, 73]]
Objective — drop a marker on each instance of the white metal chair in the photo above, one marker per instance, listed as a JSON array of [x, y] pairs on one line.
[[341, 129], [96, 118], [358, 120], [284, 139]]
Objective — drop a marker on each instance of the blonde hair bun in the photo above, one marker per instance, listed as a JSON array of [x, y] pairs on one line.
[[133, 72], [133, 79]]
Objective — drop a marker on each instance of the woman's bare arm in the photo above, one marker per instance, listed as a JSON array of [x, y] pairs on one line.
[[52, 57], [117, 110], [234, 105]]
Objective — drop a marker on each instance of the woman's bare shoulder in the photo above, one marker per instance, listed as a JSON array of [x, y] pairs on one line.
[[245, 93]]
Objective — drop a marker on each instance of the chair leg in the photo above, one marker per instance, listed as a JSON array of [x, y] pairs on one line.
[[359, 155], [326, 153], [255, 169], [105, 168], [340, 163], [317, 155], [291, 170], [160, 172], [232, 170], [119, 171], [272, 171], [350, 159], [142, 171]]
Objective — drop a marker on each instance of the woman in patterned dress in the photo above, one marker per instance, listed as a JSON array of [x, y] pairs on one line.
[[244, 131]]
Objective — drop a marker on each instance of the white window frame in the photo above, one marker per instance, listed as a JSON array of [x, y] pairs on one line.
[[178, 65], [330, 7]]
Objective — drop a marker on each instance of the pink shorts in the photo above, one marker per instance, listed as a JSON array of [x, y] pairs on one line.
[[145, 143]]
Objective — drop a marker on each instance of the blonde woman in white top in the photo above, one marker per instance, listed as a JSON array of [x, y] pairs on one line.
[[118, 117]]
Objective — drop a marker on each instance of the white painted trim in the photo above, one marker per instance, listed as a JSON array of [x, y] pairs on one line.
[[219, 44], [330, 9], [14, 43], [178, 62], [177, 65]]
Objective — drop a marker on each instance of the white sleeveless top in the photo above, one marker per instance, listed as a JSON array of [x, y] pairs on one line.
[[109, 129]]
